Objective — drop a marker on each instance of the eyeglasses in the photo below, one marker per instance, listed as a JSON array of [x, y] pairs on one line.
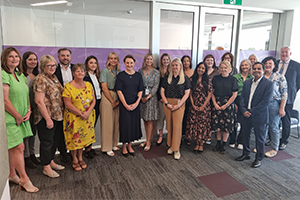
[[50, 66]]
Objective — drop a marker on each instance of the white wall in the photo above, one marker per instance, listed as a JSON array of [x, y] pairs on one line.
[[34, 27]]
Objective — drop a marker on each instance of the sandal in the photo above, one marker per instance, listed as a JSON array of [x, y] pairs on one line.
[[110, 153], [115, 148], [15, 179], [76, 166], [143, 144], [28, 187], [82, 164], [147, 148]]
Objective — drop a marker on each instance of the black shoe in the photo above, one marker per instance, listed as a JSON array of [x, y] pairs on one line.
[[131, 153], [89, 154], [256, 163], [95, 153], [217, 147], [35, 160], [29, 163], [222, 150], [268, 143], [157, 144], [125, 154], [64, 158], [242, 157]]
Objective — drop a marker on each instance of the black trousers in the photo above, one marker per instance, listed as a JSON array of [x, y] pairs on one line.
[[286, 124], [49, 140], [260, 137]]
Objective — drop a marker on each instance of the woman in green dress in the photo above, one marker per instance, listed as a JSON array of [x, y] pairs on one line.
[[17, 114]]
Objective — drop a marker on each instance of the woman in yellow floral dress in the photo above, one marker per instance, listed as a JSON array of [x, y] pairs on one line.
[[79, 116]]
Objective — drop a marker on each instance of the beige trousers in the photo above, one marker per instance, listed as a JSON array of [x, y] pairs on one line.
[[109, 123], [174, 124]]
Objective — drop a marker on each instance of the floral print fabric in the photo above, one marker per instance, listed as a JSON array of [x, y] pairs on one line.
[[79, 133]]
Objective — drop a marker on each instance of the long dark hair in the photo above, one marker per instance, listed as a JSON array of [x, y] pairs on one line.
[[205, 78], [186, 56], [97, 71], [26, 55]]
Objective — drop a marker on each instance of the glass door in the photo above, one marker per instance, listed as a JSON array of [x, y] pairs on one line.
[[217, 32], [178, 31]]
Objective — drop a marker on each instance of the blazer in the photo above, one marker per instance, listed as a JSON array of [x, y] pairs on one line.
[[292, 76], [260, 100], [58, 74], [88, 79]]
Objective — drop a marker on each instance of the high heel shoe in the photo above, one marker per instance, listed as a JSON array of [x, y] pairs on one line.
[[157, 144], [28, 187], [15, 179]]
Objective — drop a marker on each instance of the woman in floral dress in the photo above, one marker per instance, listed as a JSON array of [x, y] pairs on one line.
[[198, 124], [79, 115]]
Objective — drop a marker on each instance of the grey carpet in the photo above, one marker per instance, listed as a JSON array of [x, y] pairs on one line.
[[165, 178]]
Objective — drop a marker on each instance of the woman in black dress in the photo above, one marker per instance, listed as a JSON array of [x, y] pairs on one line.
[[129, 86], [225, 91]]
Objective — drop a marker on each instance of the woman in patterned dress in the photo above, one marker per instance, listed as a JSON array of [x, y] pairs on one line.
[[79, 115], [225, 91], [149, 106], [199, 120]]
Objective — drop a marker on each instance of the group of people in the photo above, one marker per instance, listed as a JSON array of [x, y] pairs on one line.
[[62, 102]]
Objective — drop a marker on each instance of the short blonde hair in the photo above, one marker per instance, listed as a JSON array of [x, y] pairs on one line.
[[44, 60], [250, 65], [227, 64]]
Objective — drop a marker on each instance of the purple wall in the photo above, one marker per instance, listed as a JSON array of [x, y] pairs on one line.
[[79, 54]]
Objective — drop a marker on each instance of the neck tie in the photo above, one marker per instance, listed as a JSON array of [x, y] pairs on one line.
[[281, 68]]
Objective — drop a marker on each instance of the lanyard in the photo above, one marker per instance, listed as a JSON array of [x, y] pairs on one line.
[[147, 79]]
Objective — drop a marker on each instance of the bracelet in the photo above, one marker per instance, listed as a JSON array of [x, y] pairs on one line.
[[166, 104], [29, 110]]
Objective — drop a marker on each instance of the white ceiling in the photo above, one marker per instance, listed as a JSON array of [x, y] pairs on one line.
[[140, 8]]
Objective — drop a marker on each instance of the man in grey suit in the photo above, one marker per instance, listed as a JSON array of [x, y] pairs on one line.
[[291, 70]]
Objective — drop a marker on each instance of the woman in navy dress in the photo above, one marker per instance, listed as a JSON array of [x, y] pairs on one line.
[[129, 86]]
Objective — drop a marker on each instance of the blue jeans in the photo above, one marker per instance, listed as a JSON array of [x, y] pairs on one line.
[[273, 126]]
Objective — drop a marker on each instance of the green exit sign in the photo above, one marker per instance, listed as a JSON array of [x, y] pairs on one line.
[[233, 2]]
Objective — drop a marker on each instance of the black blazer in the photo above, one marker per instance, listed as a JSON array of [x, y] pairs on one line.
[[88, 79], [292, 76], [58, 74], [260, 100]]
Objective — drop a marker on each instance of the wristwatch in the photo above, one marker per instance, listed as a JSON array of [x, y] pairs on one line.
[[166, 104]]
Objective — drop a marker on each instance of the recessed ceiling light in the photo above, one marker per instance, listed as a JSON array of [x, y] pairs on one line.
[[48, 3]]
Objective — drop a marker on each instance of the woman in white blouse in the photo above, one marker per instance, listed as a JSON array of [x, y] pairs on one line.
[[92, 76]]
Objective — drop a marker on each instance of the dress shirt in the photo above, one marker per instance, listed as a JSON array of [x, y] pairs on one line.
[[252, 90], [96, 86], [286, 64], [66, 74]]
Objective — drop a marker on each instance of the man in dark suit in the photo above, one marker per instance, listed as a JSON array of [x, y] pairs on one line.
[[291, 70], [255, 97], [64, 69], [64, 74]]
